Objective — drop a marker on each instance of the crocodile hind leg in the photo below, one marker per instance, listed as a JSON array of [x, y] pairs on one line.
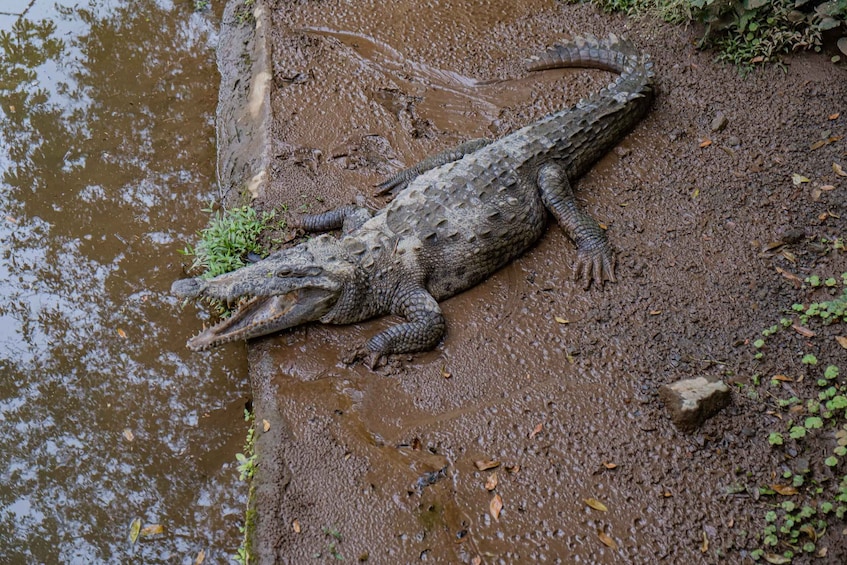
[[595, 259], [399, 181], [423, 328], [347, 218]]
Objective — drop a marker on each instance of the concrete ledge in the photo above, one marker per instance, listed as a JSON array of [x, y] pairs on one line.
[[243, 114]]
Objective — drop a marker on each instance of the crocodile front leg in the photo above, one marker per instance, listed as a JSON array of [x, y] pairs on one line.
[[424, 327], [348, 218], [595, 259], [402, 179]]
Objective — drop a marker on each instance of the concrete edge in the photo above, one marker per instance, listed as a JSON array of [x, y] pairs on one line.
[[244, 110], [243, 121]]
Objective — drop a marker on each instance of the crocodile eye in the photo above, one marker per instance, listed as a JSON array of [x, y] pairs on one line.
[[284, 272]]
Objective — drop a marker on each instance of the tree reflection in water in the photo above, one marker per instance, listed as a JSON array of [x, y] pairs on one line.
[[107, 156]]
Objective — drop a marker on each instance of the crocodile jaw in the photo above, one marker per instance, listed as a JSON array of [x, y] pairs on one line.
[[263, 315]]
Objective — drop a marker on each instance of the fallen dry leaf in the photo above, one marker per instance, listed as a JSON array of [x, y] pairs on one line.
[[201, 557], [495, 506], [784, 490], [514, 469], [445, 373], [839, 170], [561, 320], [842, 340], [827, 187], [790, 276], [776, 559], [121, 333], [483, 465], [609, 465], [805, 332], [152, 530], [596, 504], [491, 483], [128, 435], [757, 59], [606, 539], [809, 530], [477, 560], [782, 378], [535, 430], [655, 312], [266, 425], [705, 143], [295, 525], [834, 116], [134, 530], [819, 143], [704, 547], [799, 179]]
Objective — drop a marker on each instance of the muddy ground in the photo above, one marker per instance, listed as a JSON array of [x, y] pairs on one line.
[[380, 466]]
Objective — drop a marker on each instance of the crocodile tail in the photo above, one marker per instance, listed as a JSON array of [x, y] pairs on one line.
[[611, 54]]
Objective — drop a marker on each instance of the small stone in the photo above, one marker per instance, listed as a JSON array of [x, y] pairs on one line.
[[719, 122], [733, 141], [691, 401]]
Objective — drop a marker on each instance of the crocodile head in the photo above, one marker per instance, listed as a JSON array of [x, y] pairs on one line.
[[288, 288]]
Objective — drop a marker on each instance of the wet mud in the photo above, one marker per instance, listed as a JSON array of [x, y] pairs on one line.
[[556, 384]]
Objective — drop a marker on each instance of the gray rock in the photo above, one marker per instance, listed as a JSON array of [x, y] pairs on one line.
[[691, 401], [719, 122]]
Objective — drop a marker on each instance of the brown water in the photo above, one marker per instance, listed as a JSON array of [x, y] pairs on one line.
[[107, 158]]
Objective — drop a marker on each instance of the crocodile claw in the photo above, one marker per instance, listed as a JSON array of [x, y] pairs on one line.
[[371, 359], [595, 265]]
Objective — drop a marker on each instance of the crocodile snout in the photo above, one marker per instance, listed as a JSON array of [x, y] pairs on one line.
[[188, 288]]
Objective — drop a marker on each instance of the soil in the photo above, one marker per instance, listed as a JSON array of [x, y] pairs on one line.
[[555, 384]]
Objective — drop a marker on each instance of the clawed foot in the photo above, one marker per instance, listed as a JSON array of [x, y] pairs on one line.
[[371, 359], [595, 264]]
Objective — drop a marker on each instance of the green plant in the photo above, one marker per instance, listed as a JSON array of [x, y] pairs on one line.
[[332, 545], [231, 235], [244, 12], [247, 463], [814, 413], [746, 32]]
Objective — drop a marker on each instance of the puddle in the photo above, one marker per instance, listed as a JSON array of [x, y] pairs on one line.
[[107, 158]]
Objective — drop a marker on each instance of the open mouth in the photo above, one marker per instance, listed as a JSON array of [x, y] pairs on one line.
[[257, 316], [262, 315]]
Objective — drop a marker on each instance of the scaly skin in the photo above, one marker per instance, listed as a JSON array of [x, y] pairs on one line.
[[457, 217]]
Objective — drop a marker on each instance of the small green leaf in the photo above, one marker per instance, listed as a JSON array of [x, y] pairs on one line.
[[813, 422], [831, 461], [775, 438]]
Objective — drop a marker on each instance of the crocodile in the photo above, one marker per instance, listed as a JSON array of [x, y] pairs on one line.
[[456, 218]]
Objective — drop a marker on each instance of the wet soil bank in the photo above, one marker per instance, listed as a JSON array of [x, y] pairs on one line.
[[556, 384]]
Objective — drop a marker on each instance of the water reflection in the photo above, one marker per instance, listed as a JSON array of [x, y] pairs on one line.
[[106, 157]]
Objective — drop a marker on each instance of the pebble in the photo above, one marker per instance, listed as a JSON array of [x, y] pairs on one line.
[[691, 401], [719, 122]]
